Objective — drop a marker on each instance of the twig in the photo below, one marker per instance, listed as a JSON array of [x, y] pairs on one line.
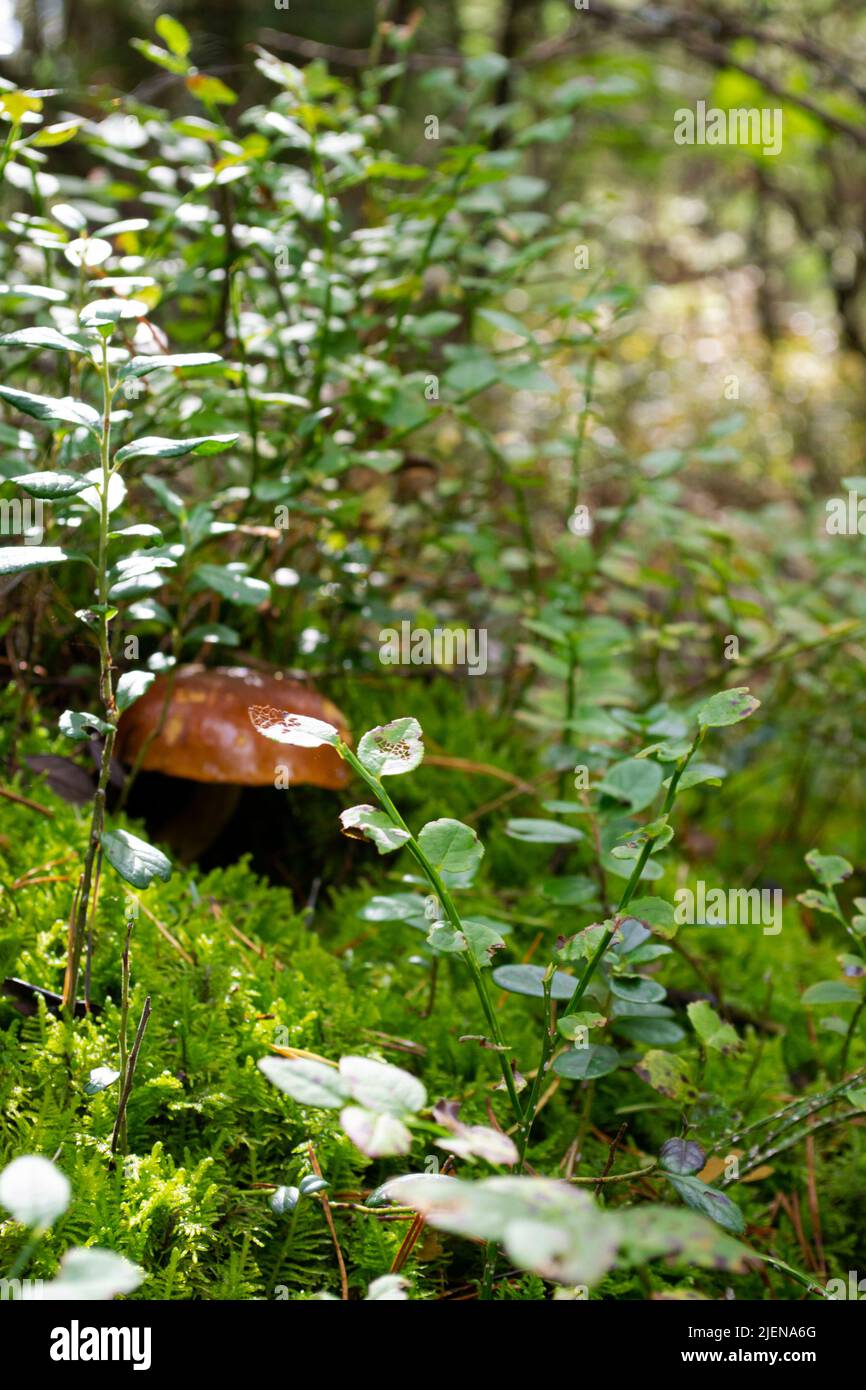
[[326, 1207], [130, 1072], [611, 1155], [164, 931], [25, 801], [814, 1206]]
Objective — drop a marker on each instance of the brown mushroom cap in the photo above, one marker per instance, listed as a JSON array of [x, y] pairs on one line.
[[207, 735]]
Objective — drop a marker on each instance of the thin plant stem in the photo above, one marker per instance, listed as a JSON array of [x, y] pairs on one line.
[[631, 886], [130, 1073], [79, 922], [453, 916]]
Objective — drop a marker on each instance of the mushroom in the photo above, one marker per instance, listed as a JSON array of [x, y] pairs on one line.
[[203, 735]]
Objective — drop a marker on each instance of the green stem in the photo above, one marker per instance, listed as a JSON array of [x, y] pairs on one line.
[[452, 914], [852, 1027], [78, 926], [546, 1049], [631, 885]]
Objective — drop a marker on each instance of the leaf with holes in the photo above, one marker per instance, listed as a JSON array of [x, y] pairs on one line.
[[391, 749], [669, 1076], [829, 869], [366, 823], [728, 707]]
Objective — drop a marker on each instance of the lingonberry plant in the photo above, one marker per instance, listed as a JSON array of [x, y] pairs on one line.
[[570, 1241], [90, 430]]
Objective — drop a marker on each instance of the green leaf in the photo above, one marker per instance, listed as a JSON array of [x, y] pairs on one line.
[[636, 781], [637, 989], [15, 558], [698, 773], [152, 446], [817, 902], [452, 847], [56, 134], [92, 495], [709, 1202], [471, 374], [51, 486], [135, 860], [526, 979], [81, 726], [544, 1225], [173, 35], [232, 584], [542, 832], [170, 500], [655, 913], [682, 1156], [681, 1238], [92, 1275], [829, 869], [831, 992], [573, 1026], [587, 1063], [507, 323], [306, 1081], [51, 410], [395, 907], [476, 1141], [478, 937], [160, 56], [42, 338], [570, 890], [212, 633], [669, 1076], [376, 1135], [728, 707], [284, 1200], [655, 1032], [713, 1033], [382, 1087], [366, 823], [100, 1079], [131, 687], [103, 313], [431, 325], [210, 90], [34, 1191], [391, 749], [142, 366]]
